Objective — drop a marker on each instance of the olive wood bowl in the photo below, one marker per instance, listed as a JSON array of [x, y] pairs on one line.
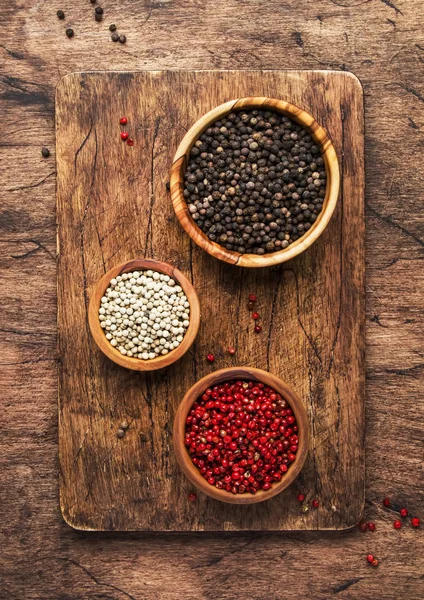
[[182, 157], [129, 362], [250, 374]]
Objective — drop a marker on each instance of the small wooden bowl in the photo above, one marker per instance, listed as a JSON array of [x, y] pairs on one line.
[[250, 374], [182, 157], [136, 364]]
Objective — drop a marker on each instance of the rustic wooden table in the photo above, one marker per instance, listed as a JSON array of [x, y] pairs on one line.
[[382, 41]]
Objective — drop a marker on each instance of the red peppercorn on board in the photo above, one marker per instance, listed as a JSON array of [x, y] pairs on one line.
[[117, 466]]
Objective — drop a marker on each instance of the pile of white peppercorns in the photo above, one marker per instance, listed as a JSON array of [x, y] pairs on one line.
[[144, 314]]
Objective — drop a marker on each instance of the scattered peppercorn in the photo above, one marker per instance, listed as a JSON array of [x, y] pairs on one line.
[[98, 17], [123, 121], [304, 508], [112, 27], [120, 433], [250, 305], [415, 522], [130, 142], [403, 512], [386, 502], [210, 358], [69, 32], [258, 329], [124, 425], [122, 39], [168, 186], [371, 526], [60, 15], [252, 298], [255, 316], [397, 524], [115, 37], [301, 497], [124, 135], [231, 351], [192, 497], [239, 436], [315, 503], [93, 1], [363, 527], [375, 563], [255, 181], [98, 10], [370, 558], [45, 152]]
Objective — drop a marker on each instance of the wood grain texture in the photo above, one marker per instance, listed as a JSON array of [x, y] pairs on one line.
[[136, 364], [247, 374], [113, 205], [182, 157], [382, 43]]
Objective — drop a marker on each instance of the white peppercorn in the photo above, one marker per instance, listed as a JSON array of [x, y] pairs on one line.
[[136, 325]]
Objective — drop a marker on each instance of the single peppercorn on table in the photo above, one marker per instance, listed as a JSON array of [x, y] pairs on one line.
[[113, 205]]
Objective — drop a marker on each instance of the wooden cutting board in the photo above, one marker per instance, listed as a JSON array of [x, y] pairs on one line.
[[113, 205]]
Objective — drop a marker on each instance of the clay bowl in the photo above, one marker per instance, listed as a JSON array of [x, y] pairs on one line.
[[180, 164], [183, 457], [129, 362]]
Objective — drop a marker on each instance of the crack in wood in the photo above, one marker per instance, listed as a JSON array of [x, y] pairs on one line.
[[393, 6], [83, 143], [95, 579], [346, 584], [409, 89], [299, 320], [341, 279], [152, 189], [39, 246], [406, 371], [271, 323], [94, 393], [81, 446], [33, 185], [396, 225], [215, 561], [13, 53]]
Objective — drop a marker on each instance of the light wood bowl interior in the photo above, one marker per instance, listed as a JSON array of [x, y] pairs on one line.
[[250, 374], [182, 157], [129, 362]]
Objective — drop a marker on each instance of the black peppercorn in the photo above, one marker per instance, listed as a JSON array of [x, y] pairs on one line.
[[255, 181], [69, 32], [45, 152], [112, 27], [115, 37], [98, 10], [122, 39], [60, 15], [93, 1]]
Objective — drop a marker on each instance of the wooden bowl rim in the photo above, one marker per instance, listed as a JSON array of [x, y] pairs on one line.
[[129, 362], [248, 373], [179, 165]]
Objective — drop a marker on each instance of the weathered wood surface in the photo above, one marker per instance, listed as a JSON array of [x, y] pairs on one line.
[[382, 42], [113, 206]]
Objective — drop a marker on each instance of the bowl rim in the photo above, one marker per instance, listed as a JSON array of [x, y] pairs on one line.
[[179, 165], [129, 362], [184, 459]]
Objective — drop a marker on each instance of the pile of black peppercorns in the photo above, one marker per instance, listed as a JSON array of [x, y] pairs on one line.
[[255, 181]]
